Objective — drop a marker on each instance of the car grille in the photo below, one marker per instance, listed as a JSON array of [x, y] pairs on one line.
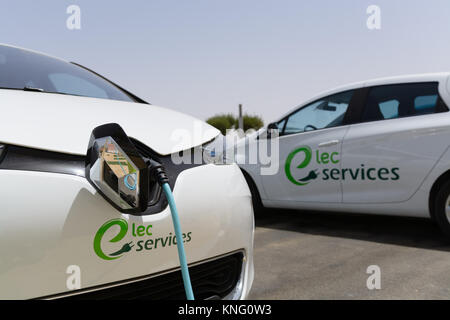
[[210, 280]]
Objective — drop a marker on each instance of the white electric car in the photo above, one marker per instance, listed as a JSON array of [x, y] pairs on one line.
[[376, 147], [63, 230]]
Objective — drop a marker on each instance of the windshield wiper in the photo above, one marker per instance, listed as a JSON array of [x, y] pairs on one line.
[[27, 88]]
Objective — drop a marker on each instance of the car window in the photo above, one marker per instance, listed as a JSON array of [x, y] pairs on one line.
[[281, 124], [324, 113], [402, 100], [389, 109], [425, 104], [21, 69]]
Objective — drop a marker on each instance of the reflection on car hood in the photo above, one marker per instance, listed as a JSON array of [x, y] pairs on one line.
[[63, 123]]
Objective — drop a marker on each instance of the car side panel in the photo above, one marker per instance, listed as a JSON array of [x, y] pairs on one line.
[[413, 145], [416, 206], [320, 188]]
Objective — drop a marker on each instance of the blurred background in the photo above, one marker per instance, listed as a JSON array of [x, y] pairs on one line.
[[204, 57]]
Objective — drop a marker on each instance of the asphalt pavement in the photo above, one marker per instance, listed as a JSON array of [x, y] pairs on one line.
[[306, 255]]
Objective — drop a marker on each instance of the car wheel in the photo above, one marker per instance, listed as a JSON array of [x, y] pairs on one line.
[[258, 207], [442, 208]]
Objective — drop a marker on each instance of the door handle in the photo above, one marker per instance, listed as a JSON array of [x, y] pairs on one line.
[[328, 143]]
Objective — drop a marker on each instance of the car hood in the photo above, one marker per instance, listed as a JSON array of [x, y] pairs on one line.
[[63, 123]]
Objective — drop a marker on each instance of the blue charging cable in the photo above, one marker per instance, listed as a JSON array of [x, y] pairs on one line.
[[163, 180], [157, 170], [180, 246]]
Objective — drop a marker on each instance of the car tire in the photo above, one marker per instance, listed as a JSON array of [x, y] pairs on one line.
[[258, 207], [441, 212]]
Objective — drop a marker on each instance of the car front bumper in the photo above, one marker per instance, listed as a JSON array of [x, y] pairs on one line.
[[49, 222]]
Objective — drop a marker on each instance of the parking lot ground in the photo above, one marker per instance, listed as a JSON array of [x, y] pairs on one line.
[[304, 255]]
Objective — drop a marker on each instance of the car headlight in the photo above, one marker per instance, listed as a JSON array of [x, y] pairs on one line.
[[216, 152]]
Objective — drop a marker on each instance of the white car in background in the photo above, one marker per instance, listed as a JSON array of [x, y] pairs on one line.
[[376, 147], [60, 237]]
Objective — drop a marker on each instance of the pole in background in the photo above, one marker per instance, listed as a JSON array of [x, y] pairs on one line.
[[241, 119]]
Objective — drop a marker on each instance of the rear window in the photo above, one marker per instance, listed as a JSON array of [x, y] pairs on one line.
[[402, 100], [425, 104]]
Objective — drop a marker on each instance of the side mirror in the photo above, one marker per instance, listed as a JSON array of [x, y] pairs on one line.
[[271, 128], [116, 169]]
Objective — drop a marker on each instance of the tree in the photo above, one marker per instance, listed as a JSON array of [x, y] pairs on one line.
[[222, 122], [228, 121], [251, 122]]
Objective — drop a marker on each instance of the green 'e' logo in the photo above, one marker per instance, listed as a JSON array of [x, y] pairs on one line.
[[123, 225], [287, 167]]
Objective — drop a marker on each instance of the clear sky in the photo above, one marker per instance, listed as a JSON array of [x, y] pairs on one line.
[[204, 57]]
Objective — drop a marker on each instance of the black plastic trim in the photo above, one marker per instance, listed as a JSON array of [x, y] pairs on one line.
[[212, 278], [356, 106], [172, 170], [2, 152], [29, 159], [116, 132]]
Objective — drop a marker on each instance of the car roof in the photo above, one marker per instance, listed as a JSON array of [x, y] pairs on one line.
[[424, 77]]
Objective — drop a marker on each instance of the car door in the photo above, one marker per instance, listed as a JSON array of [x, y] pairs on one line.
[[309, 152], [389, 153]]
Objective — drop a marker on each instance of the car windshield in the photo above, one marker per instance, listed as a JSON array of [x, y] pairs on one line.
[[327, 112], [25, 70]]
